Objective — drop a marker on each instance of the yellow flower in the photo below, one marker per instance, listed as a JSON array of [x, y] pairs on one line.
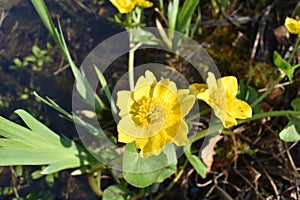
[[221, 96], [292, 25], [144, 3], [126, 6], [152, 115]]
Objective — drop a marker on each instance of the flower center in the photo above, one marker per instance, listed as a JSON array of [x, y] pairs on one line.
[[157, 115], [140, 112], [148, 112]]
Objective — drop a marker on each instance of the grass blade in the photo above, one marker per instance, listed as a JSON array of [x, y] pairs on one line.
[[82, 85], [185, 15], [104, 85]]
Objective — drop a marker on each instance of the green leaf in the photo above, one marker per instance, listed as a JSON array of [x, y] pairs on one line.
[[18, 62], [40, 196], [24, 96], [67, 163], [172, 14], [166, 172], [105, 87], [50, 180], [82, 85], [14, 67], [101, 135], [195, 26], [196, 162], [173, 8], [141, 172], [30, 156], [30, 59], [49, 46], [25, 63], [185, 15], [284, 66], [249, 95], [38, 145], [36, 174], [115, 192], [296, 104], [165, 38], [223, 2], [48, 59], [145, 37], [38, 129], [54, 105], [19, 170], [291, 132], [43, 53], [42, 11], [40, 62], [36, 51], [76, 119]]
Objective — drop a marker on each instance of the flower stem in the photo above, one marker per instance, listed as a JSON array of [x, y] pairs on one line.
[[95, 184], [281, 113], [284, 113], [131, 62], [261, 97], [177, 177], [195, 116], [295, 49]]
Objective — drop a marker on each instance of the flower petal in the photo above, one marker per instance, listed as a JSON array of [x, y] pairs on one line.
[[154, 145], [142, 92], [144, 4], [229, 84], [197, 88], [165, 91], [144, 86], [178, 132], [204, 96], [140, 142], [239, 109], [123, 137], [186, 102], [152, 114], [220, 112], [123, 6], [211, 81], [292, 25], [181, 135], [148, 79], [124, 101], [229, 121], [128, 127]]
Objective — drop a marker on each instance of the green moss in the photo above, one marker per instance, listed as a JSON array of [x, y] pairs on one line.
[[264, 74]]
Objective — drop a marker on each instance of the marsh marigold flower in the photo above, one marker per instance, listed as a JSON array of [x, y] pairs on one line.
[[153, 114], [126, 6], [292, 25], [221, 96]]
